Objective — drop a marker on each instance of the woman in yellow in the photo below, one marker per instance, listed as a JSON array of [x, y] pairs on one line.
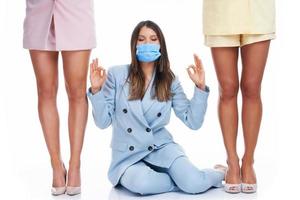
[[247, 26]]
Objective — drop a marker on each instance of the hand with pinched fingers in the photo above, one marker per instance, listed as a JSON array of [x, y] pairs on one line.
[[97, 76], [196, 73]]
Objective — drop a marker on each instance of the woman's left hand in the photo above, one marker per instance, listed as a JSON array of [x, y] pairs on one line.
[[196, 73]]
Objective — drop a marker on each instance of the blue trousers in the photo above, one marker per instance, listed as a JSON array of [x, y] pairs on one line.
[[145, 179]]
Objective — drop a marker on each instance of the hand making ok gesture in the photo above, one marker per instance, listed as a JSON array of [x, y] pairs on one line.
[[97, 76], [196, 73]]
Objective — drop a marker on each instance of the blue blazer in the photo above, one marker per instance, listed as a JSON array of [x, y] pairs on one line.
[[139, 131]]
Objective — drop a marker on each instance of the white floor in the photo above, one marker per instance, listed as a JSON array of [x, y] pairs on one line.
[[34, 184]]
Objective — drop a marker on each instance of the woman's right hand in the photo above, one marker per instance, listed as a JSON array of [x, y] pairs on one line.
[[97, 76]]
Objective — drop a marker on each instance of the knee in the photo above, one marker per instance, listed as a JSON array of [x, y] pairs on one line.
[[228, 90], [193, 183], [137, 183], [47, 92], [143, 187], [250, 90], [76, 93]]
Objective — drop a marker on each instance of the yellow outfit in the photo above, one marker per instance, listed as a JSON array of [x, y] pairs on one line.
[[241, 21]]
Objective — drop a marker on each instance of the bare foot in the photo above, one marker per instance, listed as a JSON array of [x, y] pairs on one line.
[[233, 173], [59, 175], [74, 179], [248, 173]]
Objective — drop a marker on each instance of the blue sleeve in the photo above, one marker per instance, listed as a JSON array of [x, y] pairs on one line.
[[190, 112], [103, 102]]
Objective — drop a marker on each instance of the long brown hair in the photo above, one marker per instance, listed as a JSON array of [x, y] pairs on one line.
[[164, 75]]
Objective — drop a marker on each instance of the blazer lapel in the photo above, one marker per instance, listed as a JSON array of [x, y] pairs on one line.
[[135, 105]]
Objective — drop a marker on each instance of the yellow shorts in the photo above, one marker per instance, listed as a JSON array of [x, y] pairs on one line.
[[236, 40]]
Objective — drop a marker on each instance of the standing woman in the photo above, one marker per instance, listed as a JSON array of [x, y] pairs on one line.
[[247, 26], [50, 27]]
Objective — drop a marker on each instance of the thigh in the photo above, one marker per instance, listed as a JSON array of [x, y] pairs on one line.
[[45, 65], [226, 65], [75, 68], [142, 179], [182, 168], [254, 58]]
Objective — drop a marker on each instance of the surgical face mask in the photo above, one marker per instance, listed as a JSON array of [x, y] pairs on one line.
[[147, 52]]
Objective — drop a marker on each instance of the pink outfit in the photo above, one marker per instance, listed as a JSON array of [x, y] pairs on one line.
[[57, 25]]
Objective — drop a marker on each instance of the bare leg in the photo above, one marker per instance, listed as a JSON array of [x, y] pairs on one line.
[[225, 61], [75, 72], [45, 64], [254, 57]]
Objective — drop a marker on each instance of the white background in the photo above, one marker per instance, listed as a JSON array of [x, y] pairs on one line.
[[25, 171]]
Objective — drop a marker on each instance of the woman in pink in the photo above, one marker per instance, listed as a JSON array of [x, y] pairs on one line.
[[67, 27]]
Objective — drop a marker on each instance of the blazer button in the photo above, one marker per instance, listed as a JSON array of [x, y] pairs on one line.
[[148, 129], [159, 114], [129, 130], [125, 110], [131, 148], [150, 148]]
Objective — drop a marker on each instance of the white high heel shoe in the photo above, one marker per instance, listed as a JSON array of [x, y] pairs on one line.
[[55, 191], [232, 188], [249, 188], [73, 190]]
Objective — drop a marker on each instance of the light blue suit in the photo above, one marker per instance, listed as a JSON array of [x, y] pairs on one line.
[[140, 139]]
